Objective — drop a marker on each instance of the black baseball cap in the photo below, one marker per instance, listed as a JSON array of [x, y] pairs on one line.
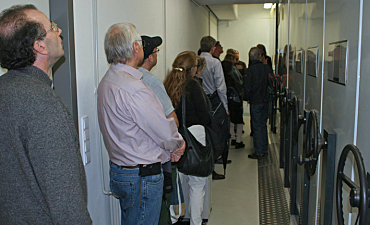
[[150, 44]]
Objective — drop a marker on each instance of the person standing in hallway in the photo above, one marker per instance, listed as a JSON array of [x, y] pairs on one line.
[[255, 85], [180, 81], [215, 88], [137, 135], [240, 65], [264, 57], [42, 177], [218, 51], [150, 60], [235, 100]]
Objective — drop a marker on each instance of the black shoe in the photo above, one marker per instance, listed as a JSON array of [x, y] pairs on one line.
[[216, 176], [254, 156], [239, 145], [242, 131], [182, 223], [233, 142], [204, 221], [220, 161]]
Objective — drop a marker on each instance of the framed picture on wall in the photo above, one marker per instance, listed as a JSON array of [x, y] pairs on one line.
[[291, 59], [312, 61], [337, 62], [299, 61]]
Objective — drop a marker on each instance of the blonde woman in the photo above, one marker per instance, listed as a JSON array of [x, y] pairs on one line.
[[181, 80]]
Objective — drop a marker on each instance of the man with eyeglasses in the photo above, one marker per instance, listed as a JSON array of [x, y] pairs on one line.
[[42, 177], [137, 135], [151, 50], [215, 88], [218, 50]]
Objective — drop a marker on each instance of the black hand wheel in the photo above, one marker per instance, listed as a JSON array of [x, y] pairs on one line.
[[287, 105], [295, 120], [282, 94], [359, 193], [311, 149], [276, 88]]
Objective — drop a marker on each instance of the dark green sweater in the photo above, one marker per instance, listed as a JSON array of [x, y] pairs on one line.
[[42, 178]]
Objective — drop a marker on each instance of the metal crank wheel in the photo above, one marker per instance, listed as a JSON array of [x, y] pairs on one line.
[[359, 193], [311, 151], [282, 94], [295, 120], [287, 107]]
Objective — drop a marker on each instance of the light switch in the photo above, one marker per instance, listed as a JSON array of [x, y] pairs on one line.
[[87, 146], [87, 157], [86, 154], [86, 134], [85, 122]]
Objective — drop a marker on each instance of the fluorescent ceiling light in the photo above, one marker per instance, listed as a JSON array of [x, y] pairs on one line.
[[267, 5]]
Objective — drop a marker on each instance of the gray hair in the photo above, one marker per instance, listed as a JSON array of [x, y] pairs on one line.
[[207, 43], [118, 42], [254, 54]]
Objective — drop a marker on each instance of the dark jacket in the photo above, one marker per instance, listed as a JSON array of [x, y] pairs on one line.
[[233, 80], [255, 82], [196, 106], [42, 177], [214, 129], [232, 77]]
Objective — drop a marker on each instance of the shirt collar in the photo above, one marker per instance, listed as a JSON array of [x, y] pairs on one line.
[[128, 69], [143, 69], [206, 54]]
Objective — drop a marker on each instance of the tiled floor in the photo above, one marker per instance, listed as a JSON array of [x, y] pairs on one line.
[[235, 199]]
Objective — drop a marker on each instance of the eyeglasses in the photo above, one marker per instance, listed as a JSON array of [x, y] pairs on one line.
[[54, 27], [156, 51], [142, 43]]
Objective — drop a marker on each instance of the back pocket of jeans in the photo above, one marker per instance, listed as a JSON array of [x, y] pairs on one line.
[[125, 191]]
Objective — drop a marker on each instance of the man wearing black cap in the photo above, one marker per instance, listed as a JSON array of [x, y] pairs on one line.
[[150, 49], [156, 85]]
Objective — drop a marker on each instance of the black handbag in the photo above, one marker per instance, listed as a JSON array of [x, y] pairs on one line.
[[197, 159], [233, 96]]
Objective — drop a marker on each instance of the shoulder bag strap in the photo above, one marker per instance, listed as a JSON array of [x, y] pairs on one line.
[[185, 129]]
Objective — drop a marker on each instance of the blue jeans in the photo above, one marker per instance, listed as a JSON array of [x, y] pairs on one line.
[[259, 116], [140, 197]]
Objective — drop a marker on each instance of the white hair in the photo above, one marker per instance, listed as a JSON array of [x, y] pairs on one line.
[[118, 42]]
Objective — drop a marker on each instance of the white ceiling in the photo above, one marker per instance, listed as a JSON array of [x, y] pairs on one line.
[[228, 9]]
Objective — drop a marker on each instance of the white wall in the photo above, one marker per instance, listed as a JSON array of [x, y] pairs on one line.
[[254, 26], [186, 24], [213, 29], [42, 5]]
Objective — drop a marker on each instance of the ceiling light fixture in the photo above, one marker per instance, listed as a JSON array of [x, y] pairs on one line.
[[267, 5]]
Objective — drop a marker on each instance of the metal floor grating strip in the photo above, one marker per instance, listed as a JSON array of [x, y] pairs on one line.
[[273, 207]]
